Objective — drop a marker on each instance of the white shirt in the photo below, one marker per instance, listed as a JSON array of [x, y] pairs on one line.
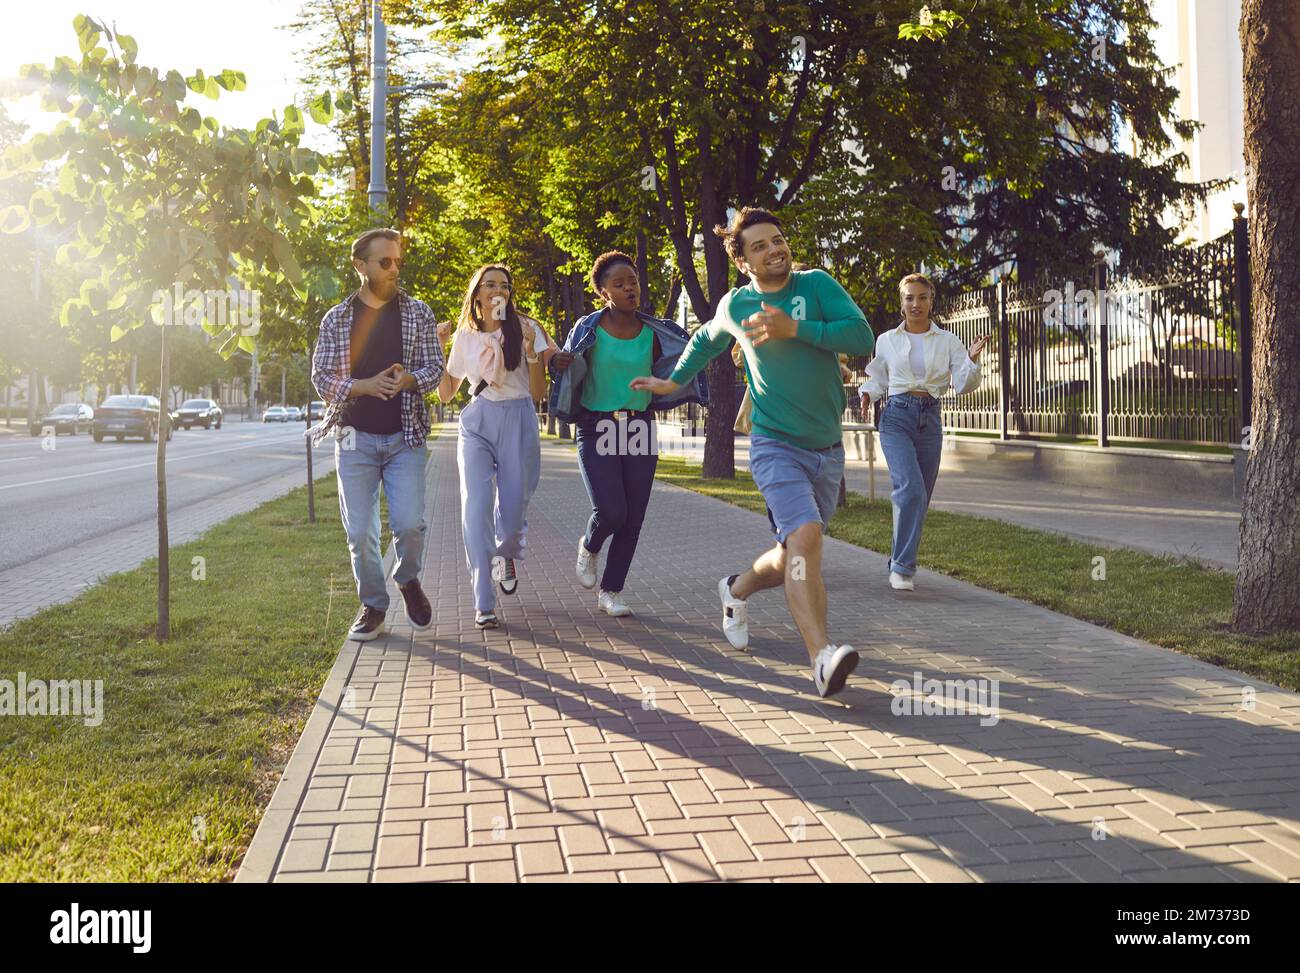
[[944, 363], [468, 358]]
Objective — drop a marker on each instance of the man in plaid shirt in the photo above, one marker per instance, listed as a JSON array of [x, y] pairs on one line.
[[376, 357]]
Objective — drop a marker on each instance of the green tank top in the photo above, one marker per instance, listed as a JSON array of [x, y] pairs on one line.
[[614, 362]]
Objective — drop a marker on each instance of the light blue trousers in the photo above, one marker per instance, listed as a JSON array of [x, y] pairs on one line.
[[911, 434], [388, 460], [500, 458]]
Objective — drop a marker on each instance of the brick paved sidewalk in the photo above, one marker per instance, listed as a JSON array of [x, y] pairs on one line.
[[568, 746]]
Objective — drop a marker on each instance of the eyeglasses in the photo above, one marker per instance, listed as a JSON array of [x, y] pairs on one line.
[[386, 262]]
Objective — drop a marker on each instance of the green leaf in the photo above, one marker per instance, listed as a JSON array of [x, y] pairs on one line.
[[321, 108], [283, 251], [198, 82], [146, 79], [190, 120], [211, 89], [232, 80], [129, 47], [87, 32], [248, 343], [14, 219], [71, 311], [94, 296]]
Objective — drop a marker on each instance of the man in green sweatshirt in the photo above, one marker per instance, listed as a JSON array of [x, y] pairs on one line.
[[791, 325]]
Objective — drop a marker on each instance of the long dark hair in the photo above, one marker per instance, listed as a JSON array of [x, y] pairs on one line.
[[513, 331]]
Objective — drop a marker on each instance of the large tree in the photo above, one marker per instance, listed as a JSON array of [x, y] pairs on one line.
[[1267, 594], [884, 150]]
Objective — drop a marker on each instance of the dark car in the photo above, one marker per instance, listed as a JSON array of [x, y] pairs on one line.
[[129, 415], [199, 412], [71, 417]]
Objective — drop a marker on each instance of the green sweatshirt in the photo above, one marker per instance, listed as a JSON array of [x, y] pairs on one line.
[[795, 383]]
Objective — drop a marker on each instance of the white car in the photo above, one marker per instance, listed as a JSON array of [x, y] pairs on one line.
[[275, 413], [294, 413]]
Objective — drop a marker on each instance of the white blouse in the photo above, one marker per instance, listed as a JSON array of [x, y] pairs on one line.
[[477, 355], [947, 363]]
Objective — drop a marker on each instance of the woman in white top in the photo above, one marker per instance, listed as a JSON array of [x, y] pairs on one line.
[[915, 364], [503, 355]]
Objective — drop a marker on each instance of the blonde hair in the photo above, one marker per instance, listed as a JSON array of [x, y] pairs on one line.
[[918, 279], [934, 295]]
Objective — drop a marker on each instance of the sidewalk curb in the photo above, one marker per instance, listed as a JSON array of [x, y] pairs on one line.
[[272, 835]]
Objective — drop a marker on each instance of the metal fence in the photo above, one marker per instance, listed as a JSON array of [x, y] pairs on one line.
[[1153, 355]]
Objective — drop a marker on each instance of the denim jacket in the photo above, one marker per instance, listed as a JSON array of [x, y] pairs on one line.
[[566, 386]]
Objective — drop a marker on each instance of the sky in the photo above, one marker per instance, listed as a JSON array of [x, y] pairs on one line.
[[239, 34]]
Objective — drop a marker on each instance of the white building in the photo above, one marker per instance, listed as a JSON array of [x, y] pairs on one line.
[[1201, 38]]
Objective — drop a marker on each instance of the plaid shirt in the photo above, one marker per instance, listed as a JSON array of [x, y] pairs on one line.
[[331, 366]]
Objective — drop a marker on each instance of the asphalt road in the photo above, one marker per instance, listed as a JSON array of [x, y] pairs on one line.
[[86, 506]]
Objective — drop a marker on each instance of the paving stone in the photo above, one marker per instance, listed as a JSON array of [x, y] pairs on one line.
[[525, 753]]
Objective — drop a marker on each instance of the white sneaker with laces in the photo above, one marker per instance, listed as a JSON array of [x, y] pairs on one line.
[[503, 573], [832, 667], [735, 619], [611, 603], [586, 564], [900, 582]]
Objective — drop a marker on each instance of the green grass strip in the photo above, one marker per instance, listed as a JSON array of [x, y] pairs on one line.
[[170, 787]]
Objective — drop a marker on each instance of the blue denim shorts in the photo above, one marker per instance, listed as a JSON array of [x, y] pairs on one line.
[[800, 486]]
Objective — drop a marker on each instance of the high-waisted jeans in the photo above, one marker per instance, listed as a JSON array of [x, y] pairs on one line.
[[911, 434]]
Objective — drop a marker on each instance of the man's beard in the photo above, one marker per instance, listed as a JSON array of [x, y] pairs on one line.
[[382, 287]]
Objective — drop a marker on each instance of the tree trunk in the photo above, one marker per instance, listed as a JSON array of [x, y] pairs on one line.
[[720, 420], [164, 567], [1267, 593], [643, 271]]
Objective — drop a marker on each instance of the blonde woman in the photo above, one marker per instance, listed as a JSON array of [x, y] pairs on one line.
[[916, 363], [503, 355]]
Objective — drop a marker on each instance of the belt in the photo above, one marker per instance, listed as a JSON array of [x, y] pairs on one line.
[[622, 415], [920, 393]]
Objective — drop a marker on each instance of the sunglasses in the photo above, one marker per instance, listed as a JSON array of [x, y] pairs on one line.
[[386, 262]]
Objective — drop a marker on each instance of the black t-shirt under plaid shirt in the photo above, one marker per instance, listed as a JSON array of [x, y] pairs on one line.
[[376, 343]]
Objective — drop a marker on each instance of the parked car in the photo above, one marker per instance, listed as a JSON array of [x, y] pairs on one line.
[[275, 413], [294, 413], [71, 417], [130, 415], [317, 410], [200, 412]]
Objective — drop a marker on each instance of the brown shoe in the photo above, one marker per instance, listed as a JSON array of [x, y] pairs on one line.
[[369, 624], [418, 610]]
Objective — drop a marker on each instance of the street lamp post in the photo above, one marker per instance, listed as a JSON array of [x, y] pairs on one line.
[[379, 92]]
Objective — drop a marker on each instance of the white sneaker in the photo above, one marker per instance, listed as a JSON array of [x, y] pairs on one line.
[[900, 582], [503, 573], [831, 667], [586, 564], [735, 618], [611, 603]]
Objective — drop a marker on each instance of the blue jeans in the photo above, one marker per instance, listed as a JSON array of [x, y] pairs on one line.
[[911, 434], [618, 482], [389, 460]]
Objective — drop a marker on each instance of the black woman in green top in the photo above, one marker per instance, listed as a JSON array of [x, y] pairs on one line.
[[616, 433]]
